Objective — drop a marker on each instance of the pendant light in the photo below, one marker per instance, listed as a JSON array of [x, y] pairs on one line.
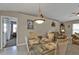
[[40, 19]]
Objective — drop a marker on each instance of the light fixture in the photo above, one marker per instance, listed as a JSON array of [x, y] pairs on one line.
[[62, 30], [40, 19], [76, 12]]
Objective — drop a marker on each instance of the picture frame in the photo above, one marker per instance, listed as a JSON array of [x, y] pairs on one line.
[[30, 24]]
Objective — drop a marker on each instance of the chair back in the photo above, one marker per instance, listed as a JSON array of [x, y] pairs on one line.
[[33, 35], [50, 36]]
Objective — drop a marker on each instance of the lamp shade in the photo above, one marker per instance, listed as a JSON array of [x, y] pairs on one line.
[[39, 21]]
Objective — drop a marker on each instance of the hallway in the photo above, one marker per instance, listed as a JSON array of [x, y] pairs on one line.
[[11, 42]]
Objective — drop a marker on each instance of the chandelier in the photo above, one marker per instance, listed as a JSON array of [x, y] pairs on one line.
[[40, 19]]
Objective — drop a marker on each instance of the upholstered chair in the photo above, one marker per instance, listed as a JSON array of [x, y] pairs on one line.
[[51, 36], [47, 44], [33, 35], [44, 40], [33, 39]]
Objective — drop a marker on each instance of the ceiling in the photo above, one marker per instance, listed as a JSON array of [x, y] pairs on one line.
[[59, 11]]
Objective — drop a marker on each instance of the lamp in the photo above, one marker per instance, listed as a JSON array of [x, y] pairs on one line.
[[62, 28], [40, 19]]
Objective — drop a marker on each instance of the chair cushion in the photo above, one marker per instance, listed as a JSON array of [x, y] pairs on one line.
[[49, 46], [44, 40], [34, 41], [50, 36]]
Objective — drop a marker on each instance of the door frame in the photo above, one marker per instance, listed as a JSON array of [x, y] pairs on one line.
[[2, 29]]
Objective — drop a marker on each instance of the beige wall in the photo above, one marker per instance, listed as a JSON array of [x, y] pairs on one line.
[[69, 29], [22, 25]]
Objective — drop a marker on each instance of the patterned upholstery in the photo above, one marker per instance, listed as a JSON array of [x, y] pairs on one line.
[[33, 35], [33, 39], [46, 44], [50, 36]]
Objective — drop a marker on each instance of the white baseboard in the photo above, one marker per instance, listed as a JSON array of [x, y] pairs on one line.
[[21, 44]]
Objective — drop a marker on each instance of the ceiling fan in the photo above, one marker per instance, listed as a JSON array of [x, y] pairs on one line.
[[76, 13]]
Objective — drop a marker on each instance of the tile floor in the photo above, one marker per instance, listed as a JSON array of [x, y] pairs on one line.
[[11, 42], [74, 50], [14, 51]]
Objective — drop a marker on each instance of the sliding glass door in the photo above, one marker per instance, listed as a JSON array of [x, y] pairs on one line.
[[75, 28]]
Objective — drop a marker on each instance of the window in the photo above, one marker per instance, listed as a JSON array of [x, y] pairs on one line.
[[75, 28], [5, 27], [14, 27]]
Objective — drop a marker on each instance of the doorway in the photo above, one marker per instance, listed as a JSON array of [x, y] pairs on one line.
[[8, 31]]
